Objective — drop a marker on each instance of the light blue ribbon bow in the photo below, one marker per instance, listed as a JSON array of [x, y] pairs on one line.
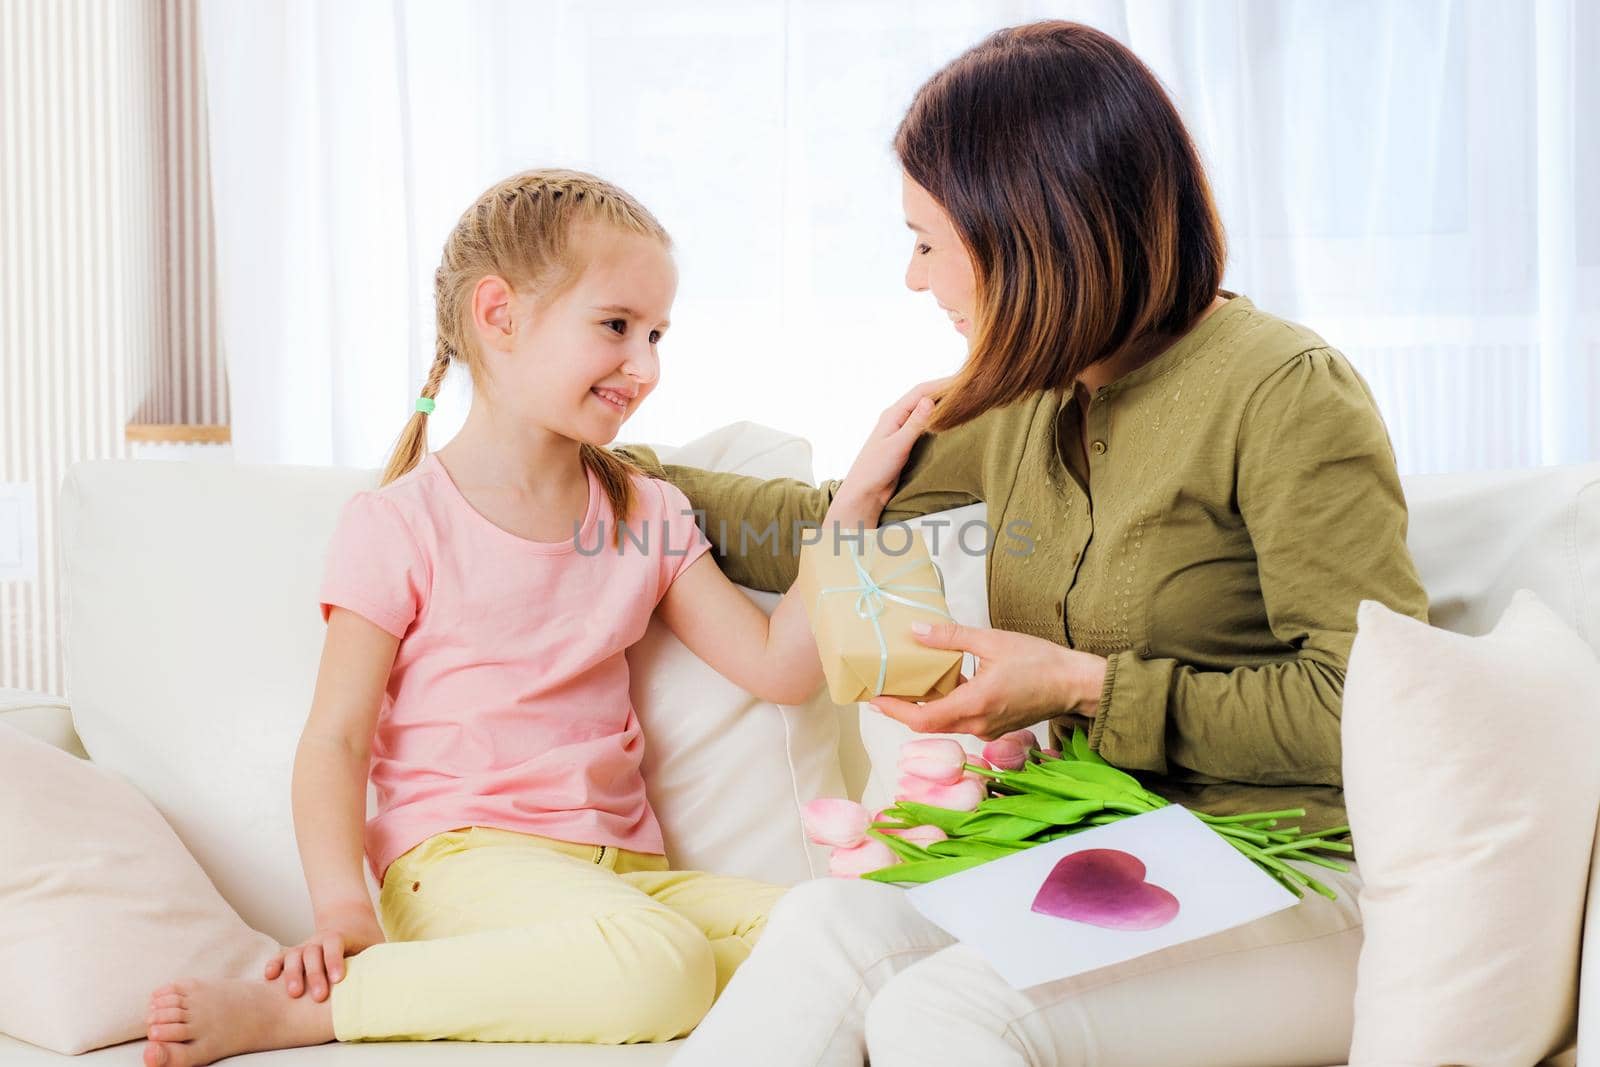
[[871, 594]]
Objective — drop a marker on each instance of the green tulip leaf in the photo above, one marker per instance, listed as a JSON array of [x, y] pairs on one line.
[[1000, 826], [1098, 773], [964, 846], [1059, 785], [928, 815], [909, 851], [925, 871], [1081, 749], [1045, 809], [1058, 834]]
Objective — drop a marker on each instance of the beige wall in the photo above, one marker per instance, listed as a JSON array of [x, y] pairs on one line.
[[107, 314]]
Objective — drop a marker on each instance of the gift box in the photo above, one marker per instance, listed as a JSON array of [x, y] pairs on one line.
[[861, 594]]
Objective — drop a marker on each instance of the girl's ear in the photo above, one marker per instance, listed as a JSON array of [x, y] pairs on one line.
[[493, 312]]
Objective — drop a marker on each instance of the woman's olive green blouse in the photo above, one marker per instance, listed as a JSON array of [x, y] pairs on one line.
[[1238, 500]]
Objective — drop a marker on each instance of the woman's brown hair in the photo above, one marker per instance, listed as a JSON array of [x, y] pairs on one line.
[[1081, 201], [521, 229]]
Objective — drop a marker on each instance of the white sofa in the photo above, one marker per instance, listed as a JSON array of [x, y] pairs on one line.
[[193, 638]]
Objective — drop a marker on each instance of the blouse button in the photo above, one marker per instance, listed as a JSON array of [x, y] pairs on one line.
[[1099, 448]]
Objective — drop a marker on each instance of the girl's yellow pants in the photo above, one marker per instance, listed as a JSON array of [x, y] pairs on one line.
[[495, 935]]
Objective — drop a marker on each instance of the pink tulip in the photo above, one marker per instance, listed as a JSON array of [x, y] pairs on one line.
[[963, 795], [884, 816], [924, 835], [936, 759], [1006, 755], [836, 822], [870, 855], [919, 835], [1052, 753], [1010, 752]]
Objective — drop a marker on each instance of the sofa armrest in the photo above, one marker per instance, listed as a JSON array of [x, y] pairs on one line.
[[43, 716]]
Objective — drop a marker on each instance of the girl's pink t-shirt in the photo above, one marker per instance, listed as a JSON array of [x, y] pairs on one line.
[[508, 703]]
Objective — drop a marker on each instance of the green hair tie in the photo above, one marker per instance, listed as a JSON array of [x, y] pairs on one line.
[[425, 404]]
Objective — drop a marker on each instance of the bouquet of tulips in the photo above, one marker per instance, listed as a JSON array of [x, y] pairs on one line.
[[954, 810]]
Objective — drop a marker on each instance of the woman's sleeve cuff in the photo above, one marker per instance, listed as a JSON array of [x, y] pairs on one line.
[[1130, 724], [1098, 729]]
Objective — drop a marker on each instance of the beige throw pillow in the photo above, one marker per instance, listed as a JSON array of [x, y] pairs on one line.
[[1472, 784], [99, 904]]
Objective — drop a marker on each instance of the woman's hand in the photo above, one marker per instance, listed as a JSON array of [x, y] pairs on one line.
[[1020, 681], [319, 960], [876, 471]]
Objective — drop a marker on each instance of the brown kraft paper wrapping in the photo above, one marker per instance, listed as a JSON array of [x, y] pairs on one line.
[[898, 560]]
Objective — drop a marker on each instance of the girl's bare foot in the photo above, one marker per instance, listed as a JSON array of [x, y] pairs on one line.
[[193, 1022]]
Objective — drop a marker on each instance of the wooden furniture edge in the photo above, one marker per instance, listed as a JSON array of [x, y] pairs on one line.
[[178, 433]]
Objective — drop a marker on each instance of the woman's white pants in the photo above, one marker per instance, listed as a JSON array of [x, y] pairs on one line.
[[848, 971]]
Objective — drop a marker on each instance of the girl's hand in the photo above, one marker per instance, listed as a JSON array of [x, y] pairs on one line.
[[319, 960], [1021, 680], [876, 471]]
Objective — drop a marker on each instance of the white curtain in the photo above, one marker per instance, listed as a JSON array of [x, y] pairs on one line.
[[1403, 176]]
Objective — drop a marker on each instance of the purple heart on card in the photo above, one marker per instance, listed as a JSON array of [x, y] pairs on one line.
[[1105, 887]]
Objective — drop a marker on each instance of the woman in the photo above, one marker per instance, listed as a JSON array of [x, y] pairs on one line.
[[1207, 493]]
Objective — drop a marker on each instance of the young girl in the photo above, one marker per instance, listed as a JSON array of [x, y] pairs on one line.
[[479, 603]]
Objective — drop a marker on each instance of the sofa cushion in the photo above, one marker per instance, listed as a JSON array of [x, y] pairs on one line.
[[1588, 1035], [193, 637], [1472, 788], [1477, 538], [102, 904], [726, 773], [43, 716], [14, 1053]]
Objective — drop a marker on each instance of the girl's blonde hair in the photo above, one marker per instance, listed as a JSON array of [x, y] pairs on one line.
[[521, 230]]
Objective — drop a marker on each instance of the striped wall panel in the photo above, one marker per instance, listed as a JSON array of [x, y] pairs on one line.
[[107, 312]]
